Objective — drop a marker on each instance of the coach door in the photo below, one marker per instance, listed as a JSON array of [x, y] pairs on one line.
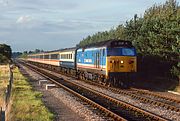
[[97, 60]]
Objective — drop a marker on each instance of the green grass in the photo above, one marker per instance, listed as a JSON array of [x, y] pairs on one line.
[[27, 104], [4, 78]]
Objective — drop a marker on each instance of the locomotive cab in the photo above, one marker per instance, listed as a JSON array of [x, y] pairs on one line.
[[120, 62]]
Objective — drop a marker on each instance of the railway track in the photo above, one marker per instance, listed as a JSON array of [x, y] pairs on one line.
[[163, 97], [56, 80], [114, 108], [147, 97]]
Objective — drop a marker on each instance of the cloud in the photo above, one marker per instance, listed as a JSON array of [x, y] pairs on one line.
[[24, 19], [23, 22], [4, 2]]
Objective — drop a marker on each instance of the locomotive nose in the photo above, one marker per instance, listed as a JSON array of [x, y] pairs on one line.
[[131, 62]]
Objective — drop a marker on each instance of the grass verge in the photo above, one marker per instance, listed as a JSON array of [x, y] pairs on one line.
[[27, 104], [4, 78]]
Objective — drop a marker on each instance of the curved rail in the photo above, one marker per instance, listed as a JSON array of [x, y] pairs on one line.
[[134, 111], [92, 103]]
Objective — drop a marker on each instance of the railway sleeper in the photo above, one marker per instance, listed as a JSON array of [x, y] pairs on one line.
[[125, 106]]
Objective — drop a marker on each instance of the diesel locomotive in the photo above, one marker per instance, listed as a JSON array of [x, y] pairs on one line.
[[109, 62]]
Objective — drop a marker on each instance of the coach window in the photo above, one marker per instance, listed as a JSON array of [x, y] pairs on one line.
[[54, 56], [46, 57]]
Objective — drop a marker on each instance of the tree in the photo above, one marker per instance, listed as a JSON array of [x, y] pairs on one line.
[[5, 50], [155, 34], [176, 68], [5, 53]]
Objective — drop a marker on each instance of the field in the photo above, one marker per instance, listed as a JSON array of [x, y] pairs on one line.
[[27, 104], [4, 77]]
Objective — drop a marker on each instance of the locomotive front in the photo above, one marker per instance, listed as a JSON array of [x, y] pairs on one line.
[[120, 61]]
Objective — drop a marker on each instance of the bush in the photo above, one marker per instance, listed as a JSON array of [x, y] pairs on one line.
[[3, 59]]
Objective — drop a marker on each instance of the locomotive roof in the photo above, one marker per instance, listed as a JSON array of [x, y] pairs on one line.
[[110, 43]]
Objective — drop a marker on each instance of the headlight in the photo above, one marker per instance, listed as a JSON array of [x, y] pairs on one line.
[[122, 61]]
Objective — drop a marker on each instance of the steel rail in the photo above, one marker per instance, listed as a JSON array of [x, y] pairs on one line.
[[146, 114], [92, 103]]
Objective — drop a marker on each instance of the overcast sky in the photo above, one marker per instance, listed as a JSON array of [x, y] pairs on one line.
[[55, 24]]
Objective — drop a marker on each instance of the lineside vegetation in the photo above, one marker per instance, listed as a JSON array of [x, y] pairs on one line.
[[4, 78], [156, 36], [27, 104], [5, 53]]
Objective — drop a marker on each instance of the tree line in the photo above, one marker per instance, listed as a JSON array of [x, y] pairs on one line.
[[5, 53], [156, 35], [25, 53]]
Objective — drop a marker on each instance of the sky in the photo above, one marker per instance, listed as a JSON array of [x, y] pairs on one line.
[[54, 24]]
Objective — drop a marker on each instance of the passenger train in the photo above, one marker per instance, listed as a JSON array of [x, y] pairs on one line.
[[107, 62]]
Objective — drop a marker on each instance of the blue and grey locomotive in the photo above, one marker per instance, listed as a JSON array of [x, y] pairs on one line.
[[105, 62]]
